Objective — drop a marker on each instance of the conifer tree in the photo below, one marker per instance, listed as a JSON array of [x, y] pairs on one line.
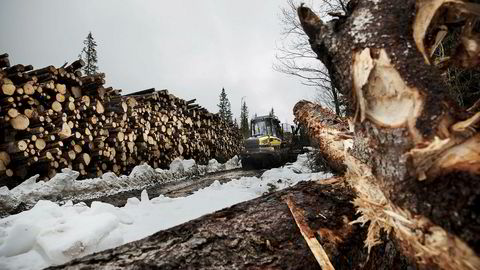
[[235, 123], [244, 129], [272, 113], [224, 107], [89, 55]]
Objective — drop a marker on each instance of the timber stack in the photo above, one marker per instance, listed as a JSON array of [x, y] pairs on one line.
[[53, 118]]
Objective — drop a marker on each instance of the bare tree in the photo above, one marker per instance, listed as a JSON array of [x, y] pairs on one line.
[[295, 57]]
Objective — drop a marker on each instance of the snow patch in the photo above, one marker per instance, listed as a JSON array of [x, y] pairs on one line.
[[50, 234], [65, 185], [180, 166], [359, 26]]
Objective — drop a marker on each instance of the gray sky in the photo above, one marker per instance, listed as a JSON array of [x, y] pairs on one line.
[[192, 48]]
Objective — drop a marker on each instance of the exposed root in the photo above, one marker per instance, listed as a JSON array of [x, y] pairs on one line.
[[421, 238], [443, 156], [417, 235]]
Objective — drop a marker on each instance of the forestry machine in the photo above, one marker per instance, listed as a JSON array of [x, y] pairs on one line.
[[266, 146]]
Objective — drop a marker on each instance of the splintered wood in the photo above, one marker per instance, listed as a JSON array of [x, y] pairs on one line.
[[411, 153], [53, 118], [309, 236]]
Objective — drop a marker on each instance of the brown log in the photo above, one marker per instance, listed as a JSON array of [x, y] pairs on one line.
[[65, 131], [20, 122], [12, 113], [76, 91], [141, 92], [4, 62], [86, 100], [60, 97], [28, 89], [4, 160], [258, 234], [8, 88], [14, 147], [46, 70], [84, 158], [75, 65], [3, 167], [15, 69], [77, 148], [61, 88], [29, 113], [40, 144], [9, 172], [71, 155], [57, 106], [99, 107], [412, 144]]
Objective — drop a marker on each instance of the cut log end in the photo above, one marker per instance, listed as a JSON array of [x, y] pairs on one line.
[[20, 122]]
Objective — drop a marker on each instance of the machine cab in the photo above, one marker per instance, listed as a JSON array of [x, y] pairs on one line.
[[266, 131]]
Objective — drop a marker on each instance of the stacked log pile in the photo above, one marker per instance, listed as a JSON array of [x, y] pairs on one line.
[[53, 118]]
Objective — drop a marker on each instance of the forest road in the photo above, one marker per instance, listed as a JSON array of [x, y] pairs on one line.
[[179, 188]]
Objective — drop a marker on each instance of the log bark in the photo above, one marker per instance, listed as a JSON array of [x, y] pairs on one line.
[[53, 109], [415, 147], [4, 62], [258, 234]]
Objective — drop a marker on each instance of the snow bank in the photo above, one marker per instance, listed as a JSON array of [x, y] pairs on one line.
[[65, 186], [50, 234], [60, 233]]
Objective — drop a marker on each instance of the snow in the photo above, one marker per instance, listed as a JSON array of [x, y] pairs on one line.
[[51, 234], [359, 26], [65, 185]]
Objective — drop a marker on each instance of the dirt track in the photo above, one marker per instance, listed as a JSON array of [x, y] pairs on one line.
[[176, 188]]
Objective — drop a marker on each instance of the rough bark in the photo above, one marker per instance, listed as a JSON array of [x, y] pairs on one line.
[[258, 234], [109, 132], [431, 245], [422, 151]]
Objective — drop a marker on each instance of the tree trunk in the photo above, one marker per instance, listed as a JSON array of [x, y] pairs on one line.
[[421, 150], [258, 234]]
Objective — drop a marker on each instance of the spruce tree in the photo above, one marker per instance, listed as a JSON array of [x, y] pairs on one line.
[[224, 107], [89, 55], [272, 113], [244, 128]]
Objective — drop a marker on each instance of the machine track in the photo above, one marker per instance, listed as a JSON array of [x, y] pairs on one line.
[[177, 188]]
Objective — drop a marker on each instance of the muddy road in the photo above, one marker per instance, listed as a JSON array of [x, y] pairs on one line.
[[179, 188]]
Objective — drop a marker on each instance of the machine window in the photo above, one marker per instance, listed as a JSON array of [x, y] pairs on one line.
[[259, 129]]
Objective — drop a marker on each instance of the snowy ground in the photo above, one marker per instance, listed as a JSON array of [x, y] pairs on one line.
[[51, 234], [65, 186]]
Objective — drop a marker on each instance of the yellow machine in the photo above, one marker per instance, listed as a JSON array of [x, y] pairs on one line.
[[265, 148]]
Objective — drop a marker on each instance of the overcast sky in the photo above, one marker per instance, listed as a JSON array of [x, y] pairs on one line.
[[192, 48]]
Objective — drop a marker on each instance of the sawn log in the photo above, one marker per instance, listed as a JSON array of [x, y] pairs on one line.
[[413, 155]]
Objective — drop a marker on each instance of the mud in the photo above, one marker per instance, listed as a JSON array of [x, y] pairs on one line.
[[178, 188]]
